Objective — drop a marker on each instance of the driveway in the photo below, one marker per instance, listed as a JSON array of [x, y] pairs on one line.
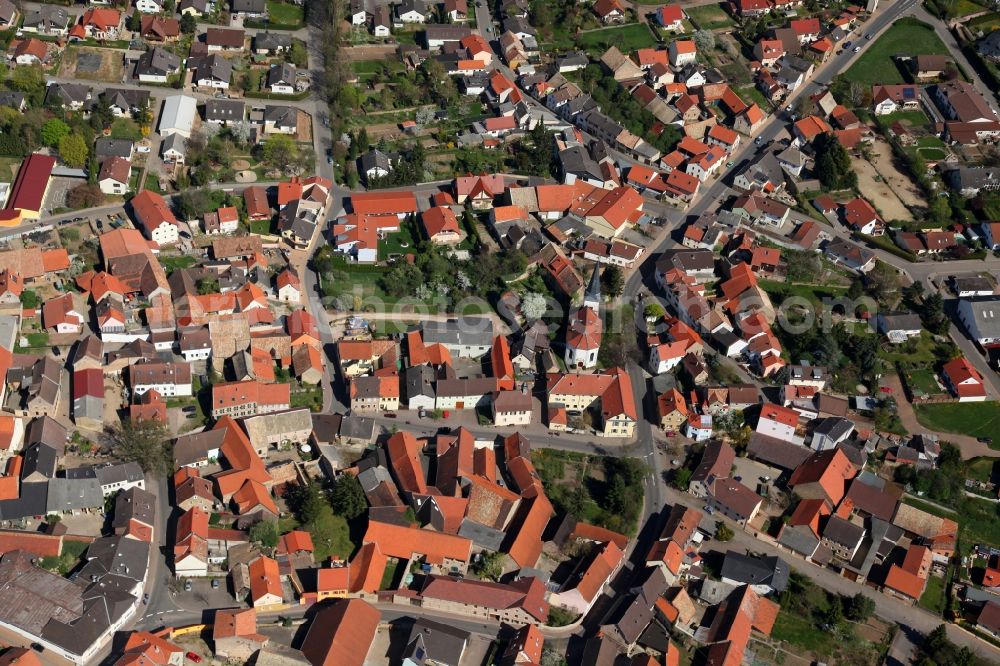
[[970, 446]]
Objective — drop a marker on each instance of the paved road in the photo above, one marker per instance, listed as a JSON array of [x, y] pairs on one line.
[[970, 446], [886, 607]]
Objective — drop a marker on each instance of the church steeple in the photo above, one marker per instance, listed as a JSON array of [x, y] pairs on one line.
[[592, 297]]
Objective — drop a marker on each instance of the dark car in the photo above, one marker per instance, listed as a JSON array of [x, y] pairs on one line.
[[190, 409], [985, 440]]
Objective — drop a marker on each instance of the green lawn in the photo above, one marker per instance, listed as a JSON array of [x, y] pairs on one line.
[[933, 597], [907, 37], [922, 382], [153, 183], [627, 38], [171, 264], [332, 538], [932, 154], [263, 227], [38, 339], [930, 142], [978, 522], [390, 574], [975, 419], [907, 118], [981, 469], [709, 17], [813, 294], [966, 7], [987, 23], [921, 351], [284, 14]]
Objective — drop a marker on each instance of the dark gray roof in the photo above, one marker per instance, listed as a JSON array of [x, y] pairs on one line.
[[843, 532], [134, 504], [433, 642], [419, 381], [128, 472], [73, 494], [326, 427], [686, 260], [776, 451], [271, 41], [46, 16], [46, 430], [281, 74], [212, 67], [357, 427], [799, 539], [39, 463], [31, 502], [374, 159], [473, 331], [250, 6], [224, 110], [66, 93], [481, 535], [281, 116], [108, 147], [771, 571], [834, 427], [126, 99], [190, 449], [577, 161], [157, 62]]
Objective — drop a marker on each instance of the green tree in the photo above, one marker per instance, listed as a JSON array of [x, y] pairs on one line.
[[73, 150], [144, 442], [308, 502], [932, 313], [833, 164], [265, 533], [189, 24], [280, 151], [208, 285], [681, 479], [858, 608], [348, 497], [654, 311], [723, 532], [613, 281], [29, 299], [135, 21], [489, 566], [363, 143], [53, 131]]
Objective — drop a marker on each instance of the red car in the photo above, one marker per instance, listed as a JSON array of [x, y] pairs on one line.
[[193, 657]]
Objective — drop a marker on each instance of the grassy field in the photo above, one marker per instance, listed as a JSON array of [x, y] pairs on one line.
[[812, 293], [933, 597], [709, 17], [922, 382], [907, 118], [987, 23], [966, 7], [923, 350], [981, 469], [153, 183], [978, 522], [627, 38], [932, 154], [906, 36], [284, 14], [975, 419], [173, 263]]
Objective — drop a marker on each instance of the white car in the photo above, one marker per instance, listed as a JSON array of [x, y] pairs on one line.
[[857, 49]]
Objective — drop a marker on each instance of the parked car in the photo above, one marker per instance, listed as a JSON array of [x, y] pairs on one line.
[[145, 598], [193, 657], [187, 586], [857, 49], [190, 409], [215, 583]]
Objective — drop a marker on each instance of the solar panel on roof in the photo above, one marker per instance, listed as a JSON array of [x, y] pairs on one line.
[[909, 93]]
